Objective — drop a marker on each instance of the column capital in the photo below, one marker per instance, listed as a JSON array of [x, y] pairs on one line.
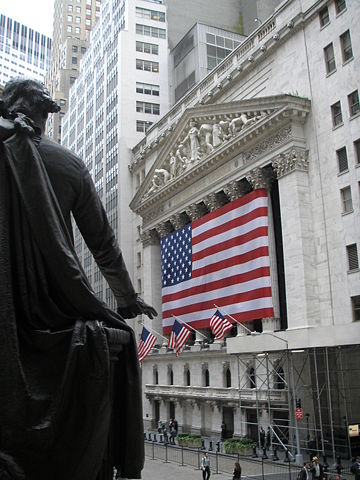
[[236, 189], [179, 220], [195, 211], [213, 201], [259, 178], [164, 228], [295, 159], [149, 237]]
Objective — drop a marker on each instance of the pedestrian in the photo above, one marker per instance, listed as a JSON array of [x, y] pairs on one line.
[[316, 469], [355, 468], [262, 437], [237, 471], [304, 472], [205, 466], [223, 430]]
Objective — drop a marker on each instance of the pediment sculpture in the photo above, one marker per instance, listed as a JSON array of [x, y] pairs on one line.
[[198, 141]]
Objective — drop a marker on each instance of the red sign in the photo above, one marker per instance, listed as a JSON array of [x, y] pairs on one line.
[[299, 413]]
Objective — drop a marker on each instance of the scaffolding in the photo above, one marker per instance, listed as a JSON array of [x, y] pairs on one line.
[[305, 399]]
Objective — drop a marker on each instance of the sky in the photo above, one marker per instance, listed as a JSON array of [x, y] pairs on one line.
[[37, 14]]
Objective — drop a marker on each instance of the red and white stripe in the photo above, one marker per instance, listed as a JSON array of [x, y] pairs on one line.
[[144, 348], [219, 326]]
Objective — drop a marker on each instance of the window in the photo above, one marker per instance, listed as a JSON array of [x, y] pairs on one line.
[[329, 58], [346, 47], [78, 9], [342, 159], [69, 28], [340, 6], [171, 377], [324, 17], [252, 378], [353, 100], [74, 48], [279, 378], [77, 20], [83, 50], [142, 126], [356, 307], [147, 89], [144, 107], [336, 114], [77, 30], [70, 8], [352, 254], [150, 31], [147, 48], [228, 378], [206, 378], [69, 18], [147, 65], [357, 151], [72, 80], [87, 22], [188, 378], [74, 60], [347, 206], [150, 14]]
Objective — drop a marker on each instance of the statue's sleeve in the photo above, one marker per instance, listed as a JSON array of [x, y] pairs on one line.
[[90, 217]]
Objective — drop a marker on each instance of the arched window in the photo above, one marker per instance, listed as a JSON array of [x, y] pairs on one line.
[[171, 377], [156, 376], [279, 378], [207, 378], [188, 379], [252, 378], [228, 378]]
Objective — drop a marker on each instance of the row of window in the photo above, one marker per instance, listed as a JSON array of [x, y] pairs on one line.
[[150, 31], [324, 16], [147, 89], [144, 47], [346, 49], [342, 157], [143, 126], [354, 108], [146, 107], [150, 14]]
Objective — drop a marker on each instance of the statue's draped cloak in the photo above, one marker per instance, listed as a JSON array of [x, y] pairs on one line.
[[55, 402]]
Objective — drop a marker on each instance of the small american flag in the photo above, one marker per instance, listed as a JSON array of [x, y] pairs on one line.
[[178, 336], [221, 258], [147, 342], [219, 325]]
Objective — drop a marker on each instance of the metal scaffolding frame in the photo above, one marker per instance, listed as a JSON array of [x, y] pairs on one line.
[[325, 381]]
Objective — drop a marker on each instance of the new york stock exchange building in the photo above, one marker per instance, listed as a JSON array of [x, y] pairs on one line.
[[270, 138]]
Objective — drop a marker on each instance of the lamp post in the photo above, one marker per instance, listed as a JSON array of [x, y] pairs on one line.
[[307, 415]]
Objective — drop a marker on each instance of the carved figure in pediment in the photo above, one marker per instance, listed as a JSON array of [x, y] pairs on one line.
[[173, 165], [193, 137], [155, 184], [177, 162], [217, 135], [238, 123], [206, 137], [163, 176], [224, 130]]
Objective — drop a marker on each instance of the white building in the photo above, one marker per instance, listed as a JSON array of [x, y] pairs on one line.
[[296, 80], [23, 51], [121, 91]]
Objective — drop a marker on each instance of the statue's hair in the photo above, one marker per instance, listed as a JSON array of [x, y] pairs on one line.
[[27, 96]]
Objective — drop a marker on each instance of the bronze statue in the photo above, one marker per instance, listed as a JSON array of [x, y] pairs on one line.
[[55, 404]]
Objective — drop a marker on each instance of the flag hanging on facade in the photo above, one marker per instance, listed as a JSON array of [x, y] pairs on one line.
[[178, 336], [147, 342], [221, 258], [219, 325]]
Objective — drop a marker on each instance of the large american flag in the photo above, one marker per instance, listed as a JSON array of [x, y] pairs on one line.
[[147, 341], [221, 258], [178, 336]]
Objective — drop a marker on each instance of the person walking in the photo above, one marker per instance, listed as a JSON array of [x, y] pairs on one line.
[[316, 469], [237, 471], [304, 472], [205, 466], [355, 468]]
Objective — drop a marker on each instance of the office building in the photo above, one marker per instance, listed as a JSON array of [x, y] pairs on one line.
[[23, 51], [73, 21]]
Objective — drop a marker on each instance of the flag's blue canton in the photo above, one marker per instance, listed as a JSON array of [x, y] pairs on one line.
[[144, 334], [177, 327], [176, 257]]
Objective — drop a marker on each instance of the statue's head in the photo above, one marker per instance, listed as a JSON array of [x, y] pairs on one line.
[[30, 97]]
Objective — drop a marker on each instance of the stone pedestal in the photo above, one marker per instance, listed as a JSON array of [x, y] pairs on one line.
[[270, 324]]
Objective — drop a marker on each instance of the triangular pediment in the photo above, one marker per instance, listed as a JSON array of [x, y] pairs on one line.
[[207, 133]]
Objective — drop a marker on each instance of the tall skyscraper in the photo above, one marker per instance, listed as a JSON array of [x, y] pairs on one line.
[[121, 90], [23, 51], [73, 21]]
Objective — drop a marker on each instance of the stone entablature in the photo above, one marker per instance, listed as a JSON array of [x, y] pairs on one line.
[[216, 394]]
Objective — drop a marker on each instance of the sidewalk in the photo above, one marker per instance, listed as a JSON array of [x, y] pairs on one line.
[[158, 470]]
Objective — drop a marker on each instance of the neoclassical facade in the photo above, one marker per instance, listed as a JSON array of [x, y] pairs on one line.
[[266, 117]]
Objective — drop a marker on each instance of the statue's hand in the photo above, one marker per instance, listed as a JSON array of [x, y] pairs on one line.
[[137, 308]]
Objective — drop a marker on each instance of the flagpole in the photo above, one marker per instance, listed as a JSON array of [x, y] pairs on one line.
[[237, 321], [192, 328], [154, 331]]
